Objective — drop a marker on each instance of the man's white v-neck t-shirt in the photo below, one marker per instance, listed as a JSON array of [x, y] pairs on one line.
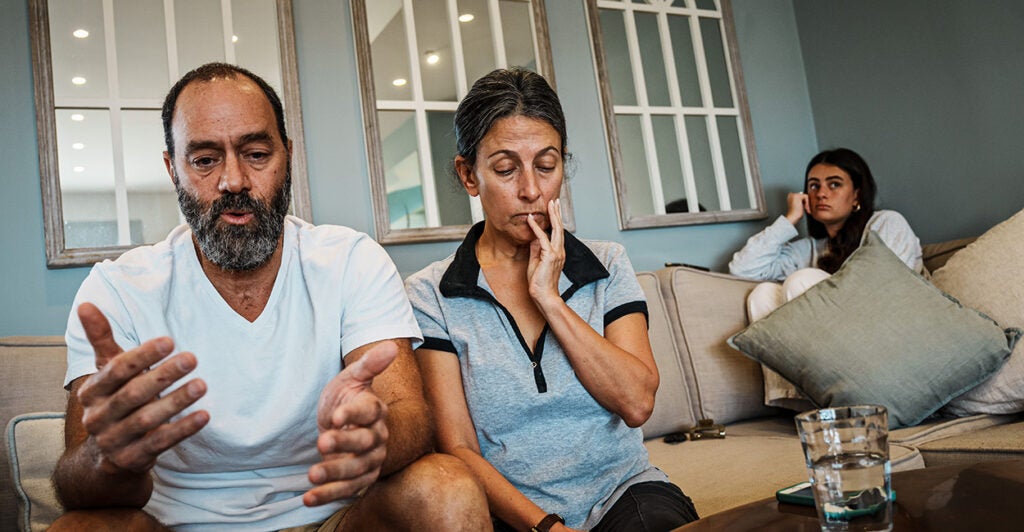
[[336, 290]]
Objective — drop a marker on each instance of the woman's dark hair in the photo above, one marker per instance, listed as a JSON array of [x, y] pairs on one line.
[[210, 72], [500, 94], [849, 236]]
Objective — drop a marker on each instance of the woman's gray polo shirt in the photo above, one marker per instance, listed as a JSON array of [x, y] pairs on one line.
[[535, 421]]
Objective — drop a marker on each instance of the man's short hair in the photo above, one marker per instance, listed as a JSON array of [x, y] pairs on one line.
[[210, 72]]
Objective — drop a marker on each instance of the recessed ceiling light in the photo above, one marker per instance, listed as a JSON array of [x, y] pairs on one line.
[[466, 17], [399, 82], [234, 38], [79, 169], [78, 146], [433, 58], [78, 117], [80, 33], [78, 80]]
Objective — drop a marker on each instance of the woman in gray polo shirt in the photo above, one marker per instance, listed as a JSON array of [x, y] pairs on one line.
[[535, 356]]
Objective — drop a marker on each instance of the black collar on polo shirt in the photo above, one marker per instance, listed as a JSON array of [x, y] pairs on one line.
[[459, 280]]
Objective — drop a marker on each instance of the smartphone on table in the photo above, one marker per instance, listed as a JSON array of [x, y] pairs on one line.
[[802, 494]]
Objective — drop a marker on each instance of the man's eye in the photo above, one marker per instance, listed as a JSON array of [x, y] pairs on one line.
[[202, 162], [504, 171], [258, 156]]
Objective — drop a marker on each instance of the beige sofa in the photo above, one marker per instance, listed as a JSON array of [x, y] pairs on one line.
[[692, 313]]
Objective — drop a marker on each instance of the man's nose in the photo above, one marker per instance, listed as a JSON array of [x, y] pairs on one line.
[[235, 179]]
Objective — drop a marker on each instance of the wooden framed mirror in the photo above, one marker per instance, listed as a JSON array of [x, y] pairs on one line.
[[101, 70], [675, 112], [416, 62]]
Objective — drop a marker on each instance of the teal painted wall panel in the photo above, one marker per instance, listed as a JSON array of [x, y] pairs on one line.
[[37, 300], [33, 299], [928, 91]]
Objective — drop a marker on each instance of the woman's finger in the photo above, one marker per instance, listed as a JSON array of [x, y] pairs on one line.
[[542, 237], [557, 229]]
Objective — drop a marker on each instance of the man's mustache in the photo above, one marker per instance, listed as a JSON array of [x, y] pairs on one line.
[[234, 202]]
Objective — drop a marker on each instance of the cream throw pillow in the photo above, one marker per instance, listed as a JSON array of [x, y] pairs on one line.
[[988, 275]]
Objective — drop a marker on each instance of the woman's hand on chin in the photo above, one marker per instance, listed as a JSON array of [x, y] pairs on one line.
[[547, 256], [797, 205]]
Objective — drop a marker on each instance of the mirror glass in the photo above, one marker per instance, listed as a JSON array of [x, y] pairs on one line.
[[102, 70], [676, 113], [416, 62]]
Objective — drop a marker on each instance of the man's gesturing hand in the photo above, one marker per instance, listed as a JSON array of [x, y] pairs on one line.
[[353, 435], [126, 419]]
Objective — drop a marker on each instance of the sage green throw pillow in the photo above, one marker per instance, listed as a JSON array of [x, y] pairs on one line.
[[876, 332]]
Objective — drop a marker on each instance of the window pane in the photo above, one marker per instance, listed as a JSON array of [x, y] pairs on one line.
[[732, 156], [152, 201], [402, 169], [254, 22], [620, 73], [141, 48], [86, 177], [652, 59], [517, 28], [385, 24], [686, 67], [79, 62], [718, 70], [700, 156], [200, 33], [706, 4], [452, 199], [668, 158], [477, 43], [634, 164], [433, 38]]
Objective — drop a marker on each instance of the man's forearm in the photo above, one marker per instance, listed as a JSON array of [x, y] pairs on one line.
[[410, 434], [80, 483]]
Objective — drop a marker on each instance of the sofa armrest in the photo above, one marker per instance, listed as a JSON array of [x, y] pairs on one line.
[[35, 442]]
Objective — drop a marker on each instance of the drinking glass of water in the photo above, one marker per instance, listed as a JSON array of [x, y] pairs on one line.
[[847, 452]]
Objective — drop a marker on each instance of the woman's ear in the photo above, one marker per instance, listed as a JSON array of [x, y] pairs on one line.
[[465, 172]]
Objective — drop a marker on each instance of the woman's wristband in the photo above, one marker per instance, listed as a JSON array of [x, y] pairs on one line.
[[545, 524]]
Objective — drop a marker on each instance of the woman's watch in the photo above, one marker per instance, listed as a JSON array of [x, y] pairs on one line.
[[545, 524]]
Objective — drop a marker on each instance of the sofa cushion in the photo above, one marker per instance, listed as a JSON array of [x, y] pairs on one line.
[[937, 254], [34, 443], [876, 332], [1002, 442], [989, 275], [755, 459], [672, 410], [705, 309]]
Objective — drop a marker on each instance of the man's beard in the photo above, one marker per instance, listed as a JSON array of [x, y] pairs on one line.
[[237, 247]]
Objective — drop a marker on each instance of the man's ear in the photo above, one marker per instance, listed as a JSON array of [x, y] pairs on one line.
[[169, 164], [466, 176]]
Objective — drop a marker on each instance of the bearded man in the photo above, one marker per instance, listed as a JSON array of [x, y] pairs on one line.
[[252, 371]]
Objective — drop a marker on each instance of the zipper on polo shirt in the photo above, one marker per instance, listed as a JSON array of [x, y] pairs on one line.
[[537, 353]]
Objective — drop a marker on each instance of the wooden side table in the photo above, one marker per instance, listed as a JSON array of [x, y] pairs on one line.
[[984, 496]]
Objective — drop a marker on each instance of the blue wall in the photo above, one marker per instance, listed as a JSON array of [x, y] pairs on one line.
[[928, 91], [37, 300]]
